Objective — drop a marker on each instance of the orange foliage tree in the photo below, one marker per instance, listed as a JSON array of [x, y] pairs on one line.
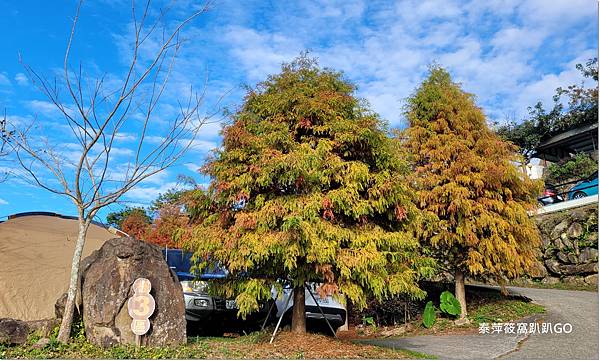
[[136, 225], [465, 177], [170, 222]]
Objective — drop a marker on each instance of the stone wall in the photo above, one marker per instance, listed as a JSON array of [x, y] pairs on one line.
[[570, 246]]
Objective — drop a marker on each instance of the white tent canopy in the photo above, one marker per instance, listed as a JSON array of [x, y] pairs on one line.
[[36, 252]]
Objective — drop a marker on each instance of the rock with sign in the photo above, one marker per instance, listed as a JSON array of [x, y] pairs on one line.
[[108, 288]]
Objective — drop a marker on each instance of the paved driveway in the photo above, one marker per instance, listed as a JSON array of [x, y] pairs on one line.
[[579, 308]]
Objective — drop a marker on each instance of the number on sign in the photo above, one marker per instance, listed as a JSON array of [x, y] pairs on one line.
[[141, 306]]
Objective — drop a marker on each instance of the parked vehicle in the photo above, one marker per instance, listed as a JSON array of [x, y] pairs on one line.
[[203, 309], [200, 307], [550, 196], [584, 188], [334, 311]]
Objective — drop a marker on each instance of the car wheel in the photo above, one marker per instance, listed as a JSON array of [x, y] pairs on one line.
[[579, 195]]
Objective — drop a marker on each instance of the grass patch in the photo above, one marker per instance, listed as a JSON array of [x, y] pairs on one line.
[[420, 355], [484, 305], [491, 310], [505, 310], [557, 286], [253, 346]]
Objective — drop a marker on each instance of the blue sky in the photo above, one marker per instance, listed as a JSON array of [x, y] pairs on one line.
[[509, 53]]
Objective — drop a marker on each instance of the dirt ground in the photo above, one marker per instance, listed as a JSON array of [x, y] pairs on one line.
[[316, 346]]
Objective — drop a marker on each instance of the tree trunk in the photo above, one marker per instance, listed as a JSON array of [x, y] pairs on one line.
[[65, 327], [298, 312], [459, 291]]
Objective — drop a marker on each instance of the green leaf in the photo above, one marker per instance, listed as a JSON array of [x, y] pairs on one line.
[[369, 321], [429, 315], [449, 304]]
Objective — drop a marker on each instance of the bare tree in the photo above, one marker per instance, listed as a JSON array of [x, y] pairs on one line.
[[5, 145], [95, 114]]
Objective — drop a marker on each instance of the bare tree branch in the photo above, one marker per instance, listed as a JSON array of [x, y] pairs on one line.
[[95, 117]]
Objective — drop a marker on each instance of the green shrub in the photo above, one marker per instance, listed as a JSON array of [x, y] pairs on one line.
[[368, 321], [578, 167]]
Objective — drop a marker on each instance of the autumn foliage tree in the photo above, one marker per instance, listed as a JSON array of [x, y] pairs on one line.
[[308, 187], [168, 227], [136, 225], [474, 198], [117, 218]]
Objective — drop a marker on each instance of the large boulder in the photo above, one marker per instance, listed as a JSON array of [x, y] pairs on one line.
[[575, 230], [43, 327], [13, 332], [538, 270], [553, 266], [588, 255], [579, 269], [106, 286]]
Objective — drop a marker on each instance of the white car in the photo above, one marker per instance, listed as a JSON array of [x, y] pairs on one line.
[[334, 311]]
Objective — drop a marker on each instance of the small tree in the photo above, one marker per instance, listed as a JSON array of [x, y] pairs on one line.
[[474, 198], [166, 229], [307, 187], [116, 219], [96, 112], [136, 225]]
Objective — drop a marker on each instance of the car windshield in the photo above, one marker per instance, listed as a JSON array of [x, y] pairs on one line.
[[181, 263]]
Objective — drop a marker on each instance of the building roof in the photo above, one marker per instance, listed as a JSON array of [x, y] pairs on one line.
[[583, 139]]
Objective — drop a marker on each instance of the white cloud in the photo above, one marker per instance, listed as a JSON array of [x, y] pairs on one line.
[[18, 121], [120, 151], [3, 202], [496, 49], [125, 137], [154, 139], [43, 107], [201, 145], [158, 178], [261, 53], [4, 81], [558, 13], [192, 167], [21, 79], [146, 194], [544, 88], [511, 39]]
